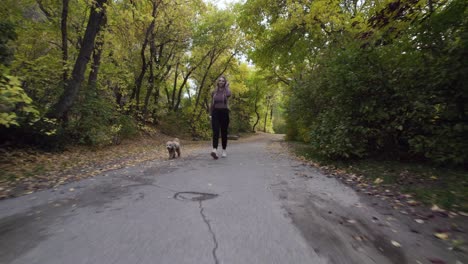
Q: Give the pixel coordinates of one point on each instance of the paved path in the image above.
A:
(255, 206)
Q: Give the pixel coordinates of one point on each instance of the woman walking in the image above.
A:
(219, 114)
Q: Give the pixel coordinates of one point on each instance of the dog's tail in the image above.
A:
(176, 140)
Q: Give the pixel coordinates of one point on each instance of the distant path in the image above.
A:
(256, 206)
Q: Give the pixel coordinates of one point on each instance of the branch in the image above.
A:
(44, 10)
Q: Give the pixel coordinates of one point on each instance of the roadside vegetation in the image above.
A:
(446, 187)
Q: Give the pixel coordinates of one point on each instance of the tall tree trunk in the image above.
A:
(97, 53)
(271, 113)
(64, 39)
(174, 89)
(96, 19)
(139, 80)
(256, 111)
(151, 77)
(144, 66)
(149, 90)
(202, 83)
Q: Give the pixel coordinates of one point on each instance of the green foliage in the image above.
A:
(7, 34)
(96, 122)
(386, 79)
(177, 124)
(239, 115)
(15, 104)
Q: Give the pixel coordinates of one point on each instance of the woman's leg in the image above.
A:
(224, 120)
(215, 127)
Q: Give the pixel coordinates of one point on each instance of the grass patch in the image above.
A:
(446, 187)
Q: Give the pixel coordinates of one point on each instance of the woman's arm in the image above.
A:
(228, 91)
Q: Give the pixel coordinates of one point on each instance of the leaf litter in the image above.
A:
(27, 171)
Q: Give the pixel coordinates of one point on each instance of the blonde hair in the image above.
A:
(225, 82)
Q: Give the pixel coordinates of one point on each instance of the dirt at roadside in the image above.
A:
(427, 225)
(27, 171)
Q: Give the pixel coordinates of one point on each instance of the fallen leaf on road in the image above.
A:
(358, 238)
(395, 244)
(351, 221)
(443, 236)
(419, 221)
(436, 208)
(378, 181)
(452, 214)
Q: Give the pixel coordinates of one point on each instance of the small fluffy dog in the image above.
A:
(173, 147)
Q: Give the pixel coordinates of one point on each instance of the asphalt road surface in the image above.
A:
(258, 205)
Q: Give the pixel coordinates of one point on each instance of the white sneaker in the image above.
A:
(224, 153)
(214, 154)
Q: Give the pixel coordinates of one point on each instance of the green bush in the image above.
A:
(390, 98)
(95, 121)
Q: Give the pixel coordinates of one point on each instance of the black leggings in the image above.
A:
(220, 120)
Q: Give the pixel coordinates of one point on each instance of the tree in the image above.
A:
(95, 22)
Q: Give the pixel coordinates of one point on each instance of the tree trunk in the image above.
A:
(271, 113)
(256, 111)
(174, 88)
(64, 39)
(144, 66)
(149, 90)
(96, 19)
(151, 77)
(163, 76)
(97, 53)
(202, 83)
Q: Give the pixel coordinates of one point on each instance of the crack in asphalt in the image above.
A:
(207, 222)
(205, 219)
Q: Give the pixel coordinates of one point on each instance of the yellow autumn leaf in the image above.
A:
(395, 244)
(378, 181)
(443, 236)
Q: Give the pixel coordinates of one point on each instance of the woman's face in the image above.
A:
(221, 82)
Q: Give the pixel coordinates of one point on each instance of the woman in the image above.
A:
(219, 114)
